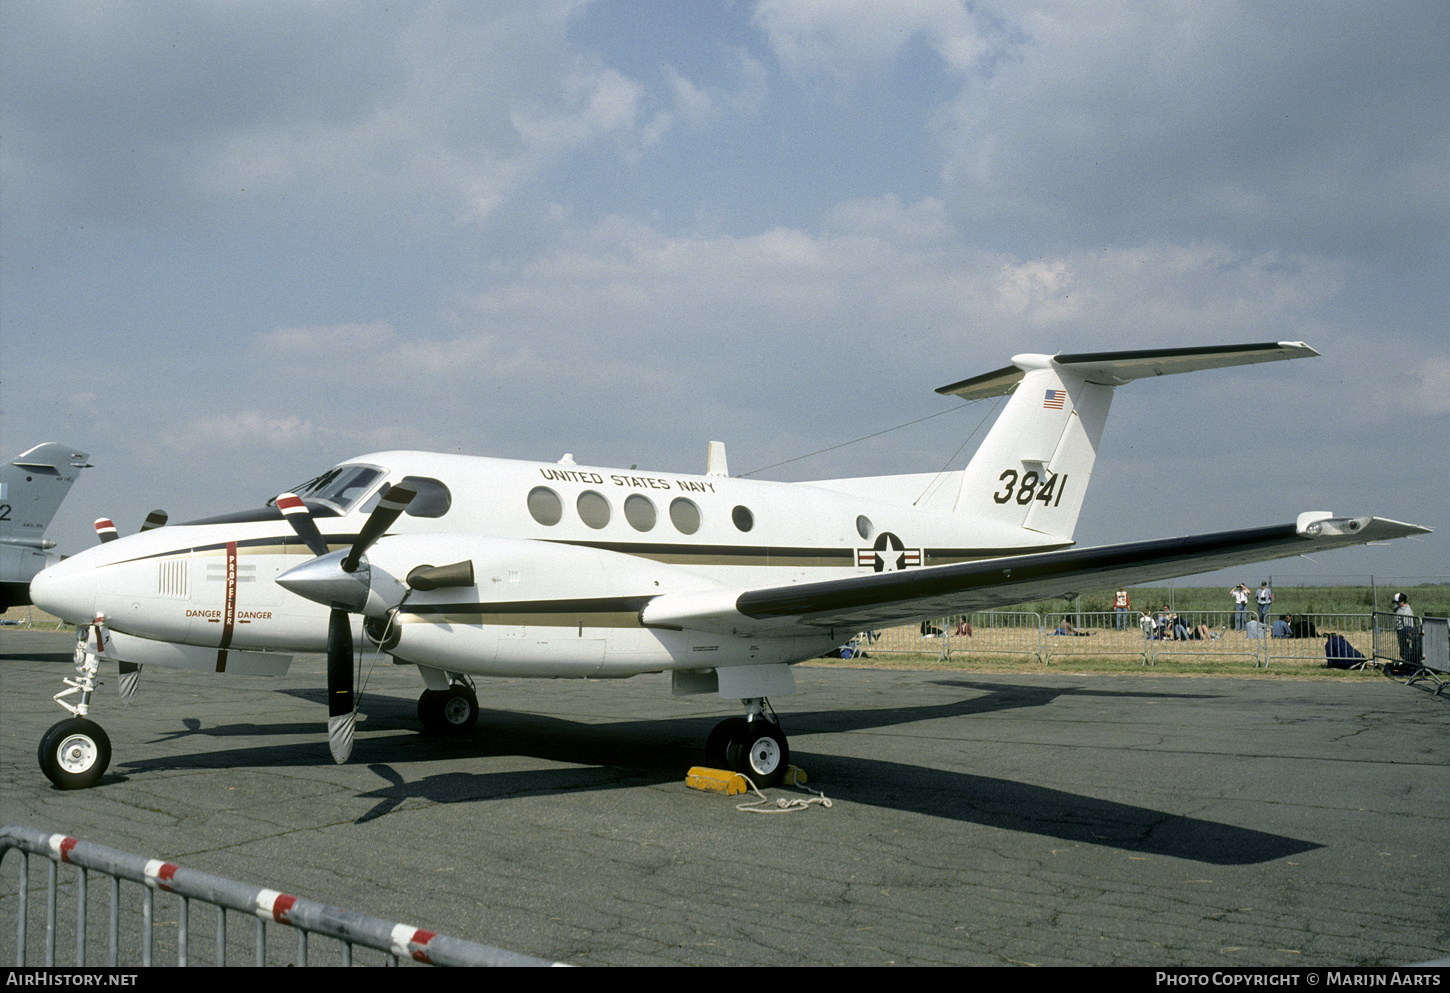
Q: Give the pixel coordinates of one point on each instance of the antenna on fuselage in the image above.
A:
(715, 464)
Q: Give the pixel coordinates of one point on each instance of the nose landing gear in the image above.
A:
(75, 752)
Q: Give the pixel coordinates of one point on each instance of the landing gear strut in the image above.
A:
(75, 752)
(751, 745)
(450, 711)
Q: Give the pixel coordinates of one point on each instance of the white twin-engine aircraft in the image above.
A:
(471, 567)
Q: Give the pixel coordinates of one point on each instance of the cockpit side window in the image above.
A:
(433, 499)
(339, 487)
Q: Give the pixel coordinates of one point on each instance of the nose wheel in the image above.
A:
(74, 753)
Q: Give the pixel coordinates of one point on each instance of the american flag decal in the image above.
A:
(1055, 399)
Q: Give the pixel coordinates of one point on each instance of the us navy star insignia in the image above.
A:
(888, 554)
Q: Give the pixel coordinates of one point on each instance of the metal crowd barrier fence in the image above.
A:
(29, 621)
(981, 633)
(1413, 648)
(1085, 634)
(996, 633)
(396, 941)
(1312, 631)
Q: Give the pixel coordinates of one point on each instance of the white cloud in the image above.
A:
(1412, 389)
(840, 38)
(698, 106)
(441, 111)
(249, 428)
(1255, 125)
(324, 343)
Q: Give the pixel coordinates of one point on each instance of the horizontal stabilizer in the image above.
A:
(1117, 368)
(51, 456)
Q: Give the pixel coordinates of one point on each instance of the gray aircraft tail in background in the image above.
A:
(32, 486)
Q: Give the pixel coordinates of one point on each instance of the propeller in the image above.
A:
(106, 528)
(340, 581)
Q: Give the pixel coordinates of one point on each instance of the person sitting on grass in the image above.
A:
(1340, 654)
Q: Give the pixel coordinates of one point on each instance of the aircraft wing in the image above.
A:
(905, 597)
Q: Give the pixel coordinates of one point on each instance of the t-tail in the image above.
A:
(1033, 468)
(32, 486)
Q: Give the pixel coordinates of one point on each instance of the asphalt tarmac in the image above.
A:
(1043, 819)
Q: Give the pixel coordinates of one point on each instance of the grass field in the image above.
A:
(1427, 600)
(1105, 665)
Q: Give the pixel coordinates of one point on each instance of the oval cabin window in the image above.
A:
(640, 512)
(684, 515)
(593, 509)
(545, 506)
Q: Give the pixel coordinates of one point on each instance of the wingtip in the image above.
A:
(1321, 524)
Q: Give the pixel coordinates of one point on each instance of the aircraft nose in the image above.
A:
(66, 590)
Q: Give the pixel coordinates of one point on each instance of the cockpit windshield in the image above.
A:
(341, 487)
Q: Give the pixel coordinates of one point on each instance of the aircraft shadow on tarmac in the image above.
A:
(993, 697)
(629, 754)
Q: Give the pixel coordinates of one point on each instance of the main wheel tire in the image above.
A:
(759, 751)
(74, 753)
(450, 711)
(719, 740)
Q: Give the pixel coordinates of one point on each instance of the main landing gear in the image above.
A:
(751, 745)
(450, 711)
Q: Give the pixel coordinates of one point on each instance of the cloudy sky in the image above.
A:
(242, 242)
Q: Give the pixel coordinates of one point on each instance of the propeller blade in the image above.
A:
(340, 717)
(155, 519)
(297, 515)
(394, 501)
(105, 530)
(340, 585)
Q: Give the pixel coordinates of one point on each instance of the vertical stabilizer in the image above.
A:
(1033, 468)
(32, 486)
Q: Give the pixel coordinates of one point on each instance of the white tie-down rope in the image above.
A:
(783, 805)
